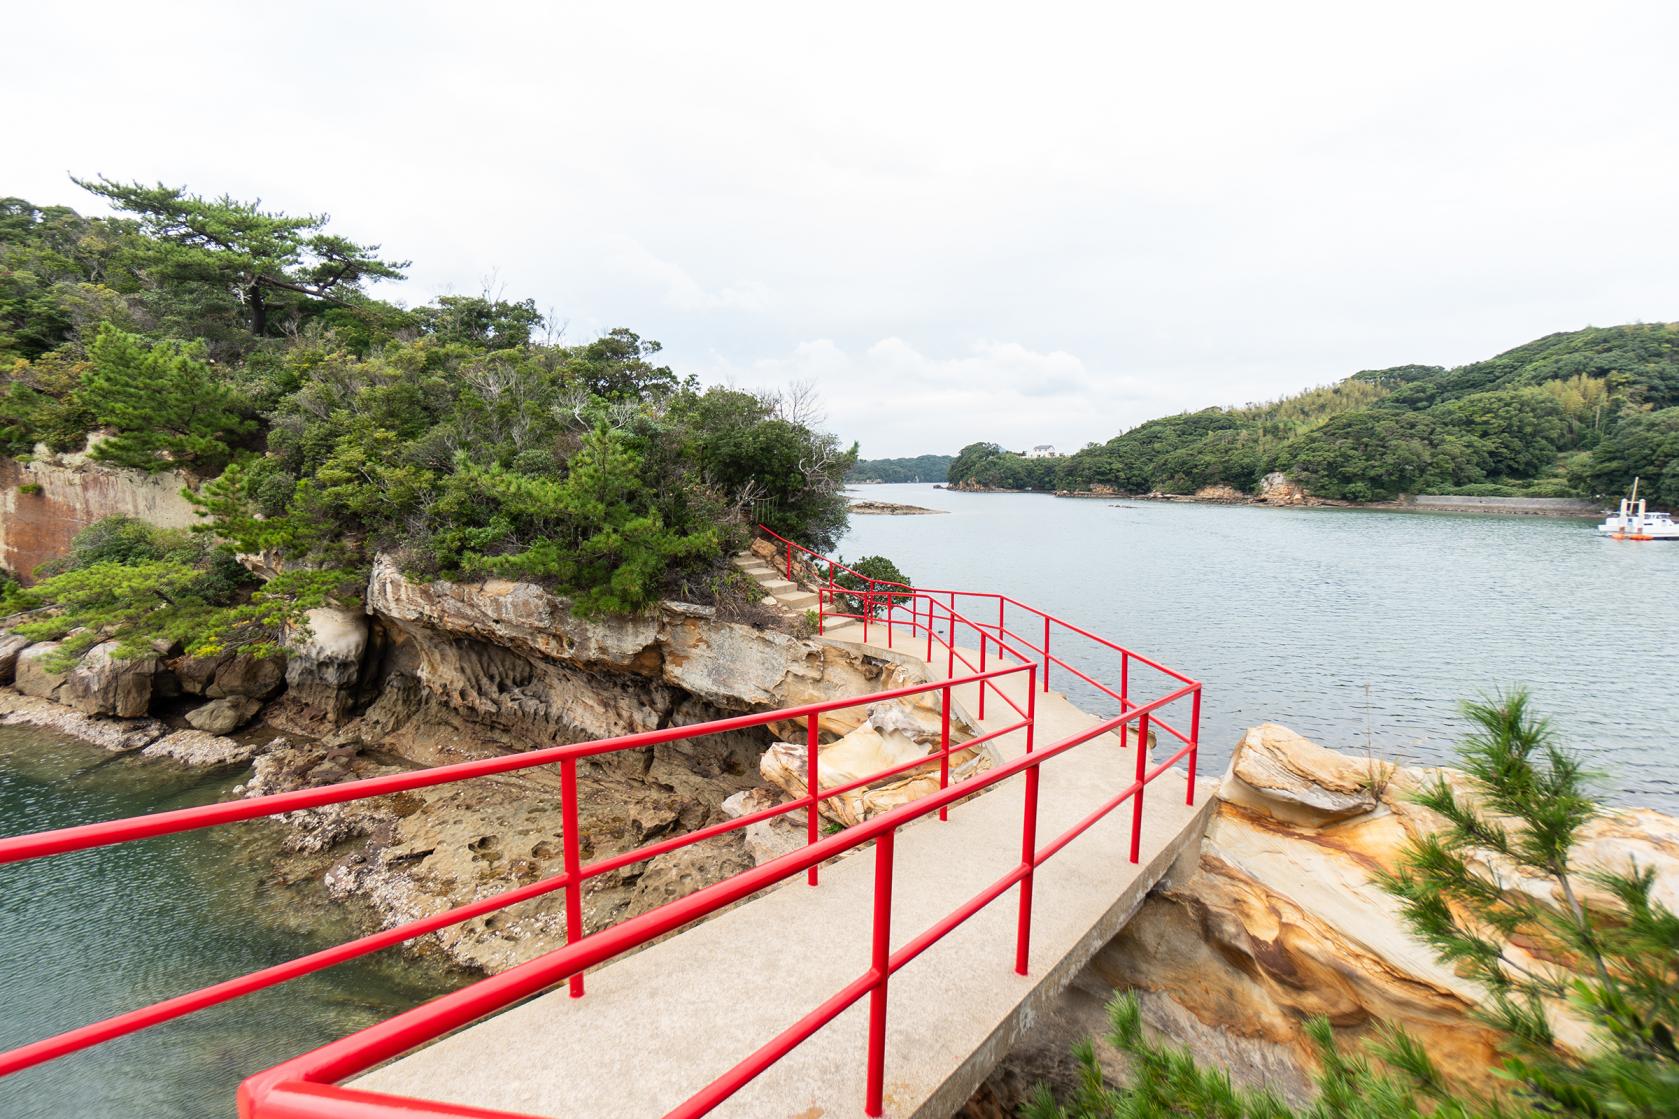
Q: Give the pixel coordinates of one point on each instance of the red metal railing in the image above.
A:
(308, 1086)
(883, 600)
(64, 840)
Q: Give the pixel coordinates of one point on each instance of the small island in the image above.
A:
(891, 509)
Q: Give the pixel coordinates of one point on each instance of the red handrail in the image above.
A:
(281, 1092)
(63, 840)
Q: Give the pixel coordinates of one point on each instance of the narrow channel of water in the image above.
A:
(94, 933)
(1354, 627)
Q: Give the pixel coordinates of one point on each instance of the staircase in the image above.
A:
(779, 591)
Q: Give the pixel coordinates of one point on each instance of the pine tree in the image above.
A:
(163, 399)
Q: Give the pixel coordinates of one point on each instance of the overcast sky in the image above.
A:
(1032, 223)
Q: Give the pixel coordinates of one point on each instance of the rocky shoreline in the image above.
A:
(1276, 491)
(434, 673)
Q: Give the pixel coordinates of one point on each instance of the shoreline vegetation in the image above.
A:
(1573, 415)
(1422, 503)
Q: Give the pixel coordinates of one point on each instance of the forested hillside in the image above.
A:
(1575, 414)
(921, 468)
(465, 436)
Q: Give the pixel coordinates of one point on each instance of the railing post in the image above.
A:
(1137, 800)
(944, 746)
(821, 610)
(573, 863)
(1124, 693)
(880, 966)
(813, 829)
(1002, 629)
(789, 561)
(891, 601)
(1031, 704)
(1194, 743)
(983, 683)
(1046, 654)
(1028, 863)
(929, 629)
(867, 599)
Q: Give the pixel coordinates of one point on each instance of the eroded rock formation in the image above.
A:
(1282, 918)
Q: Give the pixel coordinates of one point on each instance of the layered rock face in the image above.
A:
(67, 493)
(1282, 918)
(457, 671)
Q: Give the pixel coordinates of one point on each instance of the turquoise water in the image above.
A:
(1351, 626)
(90, 934)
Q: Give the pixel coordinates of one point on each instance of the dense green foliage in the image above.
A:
(921, 468)
(1607, 956)
(148, 588)
(242, 346)
(1570, 414)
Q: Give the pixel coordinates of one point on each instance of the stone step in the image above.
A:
(777, 586)
(803, 601)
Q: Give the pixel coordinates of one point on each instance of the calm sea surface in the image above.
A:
(1339, 623)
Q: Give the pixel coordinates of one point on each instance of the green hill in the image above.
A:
(1572, 414)
(921, 468)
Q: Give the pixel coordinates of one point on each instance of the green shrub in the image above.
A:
(871, 568)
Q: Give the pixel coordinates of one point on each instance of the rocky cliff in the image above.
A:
(434, 672)
(1280, 918)
(46, 501)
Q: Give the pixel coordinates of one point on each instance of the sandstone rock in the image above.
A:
(195, 674)
(469, 670)
(460, 632)
(892, 736)
(1276, 489)
(221, 716)
(769, 839)
(1314, 785)
(112, 734)
(10, 646)
(200, 748)
(323, 666)
(104, 684)
(1283, 917)
(245, 675)
(34, 678)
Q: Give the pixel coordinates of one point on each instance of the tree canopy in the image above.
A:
(1567, 415)
(463, 437)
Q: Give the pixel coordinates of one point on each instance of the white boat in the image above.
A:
(1634, 522)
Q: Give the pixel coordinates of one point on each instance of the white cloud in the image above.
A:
(897, 400)
(679, 289)
(1154, 207)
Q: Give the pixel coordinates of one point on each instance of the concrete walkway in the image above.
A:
(658, 1026)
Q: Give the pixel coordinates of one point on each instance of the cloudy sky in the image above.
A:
(1032, 223)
